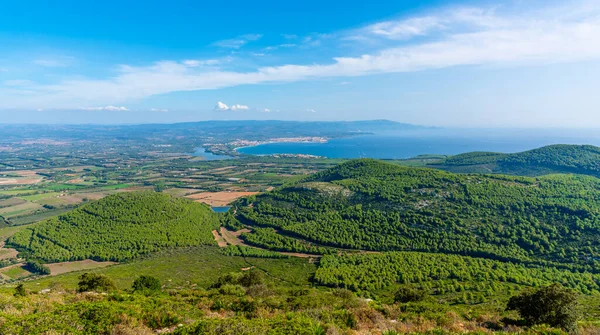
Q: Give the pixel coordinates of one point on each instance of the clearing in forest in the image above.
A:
(218, 198)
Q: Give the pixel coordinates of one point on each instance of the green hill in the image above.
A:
(119, 227)
(371, 205)
(561, 158)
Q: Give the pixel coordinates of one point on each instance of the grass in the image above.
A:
(188, 266)
(23, 220)
(16, 272)
(18, 192)
(22, 209)
(38, 197)
(115, 187)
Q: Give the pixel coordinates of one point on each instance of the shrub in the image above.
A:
(408, 294)
(146, 283)
(553, 305)
(20, 291)
(94, 282)
(37, 267)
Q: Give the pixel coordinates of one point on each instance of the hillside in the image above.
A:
(119, 227)
(371, 205)
(560, 158)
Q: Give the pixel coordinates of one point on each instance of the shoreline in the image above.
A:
(322, 140)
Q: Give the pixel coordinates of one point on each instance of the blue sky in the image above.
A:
(466, 64)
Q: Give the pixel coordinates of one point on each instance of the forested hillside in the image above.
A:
(561, 158)
(371, 205)
(119, 227)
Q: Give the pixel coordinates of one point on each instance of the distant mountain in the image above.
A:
(371, 205)
(561, 158)
(222, 130)
(119, 227)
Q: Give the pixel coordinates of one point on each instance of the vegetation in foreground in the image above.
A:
(253, 302)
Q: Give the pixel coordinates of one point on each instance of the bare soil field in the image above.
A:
(220, 241)
(233, 237)
(218, 198)
(6, 253)
(87, 264)
(12, 202)
(181, 192)
(19, 181)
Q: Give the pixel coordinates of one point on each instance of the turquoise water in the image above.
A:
(398, 146)
(221, 209)
(209, 156)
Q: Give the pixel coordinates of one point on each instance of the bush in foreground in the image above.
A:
(94, 282)
(553, 305)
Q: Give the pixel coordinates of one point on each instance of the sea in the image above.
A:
(408, 144)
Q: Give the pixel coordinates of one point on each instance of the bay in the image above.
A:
(442, 142)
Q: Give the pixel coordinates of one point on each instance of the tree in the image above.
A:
(553, 305)
(94, 282)
(146, 283)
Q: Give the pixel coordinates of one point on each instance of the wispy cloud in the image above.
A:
(203, 62)
(17, 82)
(62, 61)
(161, 110)
(463, 36)
(238, 42)
(106, 108)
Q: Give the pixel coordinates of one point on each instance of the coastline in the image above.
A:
(321, 140)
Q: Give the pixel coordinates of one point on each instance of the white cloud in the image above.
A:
(238, 42)
(162, 110)
(238, 107)
(470, 37)
(407, 28)
(107, 108)
(310, 110)
(222, 107)
(198, 63)
(266, 110)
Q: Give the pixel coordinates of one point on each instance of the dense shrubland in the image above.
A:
(119, 227)
(371, 205)
(560, 158)
(373, 272)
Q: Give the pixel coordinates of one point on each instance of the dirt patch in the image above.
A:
(87, 264)
(6, 253)
(20, 181)
(218, 198)
(233, 237)
(220, 241)
(75, 181)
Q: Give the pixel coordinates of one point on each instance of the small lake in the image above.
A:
(221, 209)
(209, 156)
(442, 142)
